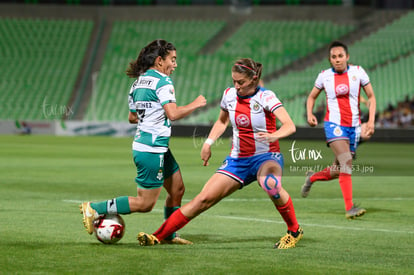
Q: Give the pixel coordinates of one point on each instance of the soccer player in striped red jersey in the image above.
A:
(252, 111)
(342, 84)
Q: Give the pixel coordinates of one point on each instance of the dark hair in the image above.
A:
(337, 44)
(248, 67)
(147, 56)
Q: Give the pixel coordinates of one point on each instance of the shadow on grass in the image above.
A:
(380, 210)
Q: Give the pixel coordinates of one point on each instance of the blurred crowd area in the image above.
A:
(400, 115)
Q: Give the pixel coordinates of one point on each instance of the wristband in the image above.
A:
(209, 141)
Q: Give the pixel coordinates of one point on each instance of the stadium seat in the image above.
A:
(43, 57)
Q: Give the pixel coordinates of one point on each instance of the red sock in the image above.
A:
(323, 175)
(287, 212)
(345, 182)
(174, 222)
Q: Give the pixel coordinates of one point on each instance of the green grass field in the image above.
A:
(43, 179)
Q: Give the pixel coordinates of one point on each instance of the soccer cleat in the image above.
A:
(289, 240)
(176, 240)
(308, 184)
(145, 239)
(355, 212)
(89, 215)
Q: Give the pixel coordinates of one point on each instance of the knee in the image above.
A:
(272, 185)
(204, 202)
(147, 208)
(179, 192)
(345, 163)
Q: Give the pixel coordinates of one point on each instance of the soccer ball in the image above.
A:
(109, 229)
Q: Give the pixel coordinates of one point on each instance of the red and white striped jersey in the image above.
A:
(248, 116)
(342, 94)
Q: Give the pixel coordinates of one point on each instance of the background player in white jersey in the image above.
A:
(342, 83)
(152, 105)
(255, 155)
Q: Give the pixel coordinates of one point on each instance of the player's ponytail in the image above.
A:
(147, 56)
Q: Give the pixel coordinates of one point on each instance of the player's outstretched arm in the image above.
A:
(175, 112)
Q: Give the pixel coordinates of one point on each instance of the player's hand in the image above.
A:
(368, 129)
(205, 153)
(200, 101)
(266, 137)
(312, 121)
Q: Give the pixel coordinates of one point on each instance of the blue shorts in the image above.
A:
(244, 170)
(335, 132)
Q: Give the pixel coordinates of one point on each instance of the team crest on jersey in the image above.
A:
(354, 78)
(337, 131)
(242, 120)
(256, 107)
(342, 89)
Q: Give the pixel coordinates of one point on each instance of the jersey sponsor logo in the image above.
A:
(269, 98)
(168, 80)
(242, 120)
(146, 82)
(342, 89)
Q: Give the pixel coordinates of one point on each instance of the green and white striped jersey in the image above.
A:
(148, 94)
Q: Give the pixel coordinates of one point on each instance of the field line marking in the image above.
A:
(318, 199)
(295, 199)
(316, 225)
(159, 210)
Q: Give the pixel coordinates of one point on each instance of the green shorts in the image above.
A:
(153, 168)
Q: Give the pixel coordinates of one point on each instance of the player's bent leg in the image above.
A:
(175, 191)
(306, 187)
(271, 184)
(89, 215)
(290, 239)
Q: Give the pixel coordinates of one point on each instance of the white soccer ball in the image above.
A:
(109, 229)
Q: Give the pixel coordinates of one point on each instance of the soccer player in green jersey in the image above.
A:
(152, 106)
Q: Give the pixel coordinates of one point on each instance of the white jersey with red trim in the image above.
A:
(342, 94)
(248, 116)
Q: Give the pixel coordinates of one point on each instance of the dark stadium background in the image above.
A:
(360, 19)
